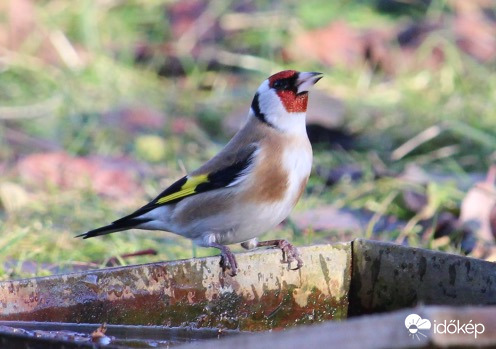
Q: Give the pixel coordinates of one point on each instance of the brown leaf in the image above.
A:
(336, 44)
(340, 44)
(99, 332)
(476, 35)
(67, 172)
(98, 336)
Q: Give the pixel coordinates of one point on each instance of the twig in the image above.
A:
(65, 49)
(443, 152)
(244, 61)
(415, 142)
(115, 260)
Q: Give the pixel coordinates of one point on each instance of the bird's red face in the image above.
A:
(292, 88)
(281, 100)
(284, 83)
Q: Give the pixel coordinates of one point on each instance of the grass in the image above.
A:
(63, 103)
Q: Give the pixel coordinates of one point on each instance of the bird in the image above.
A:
(249, 187)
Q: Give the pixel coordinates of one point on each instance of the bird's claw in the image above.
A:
(228, 261)
(290, 254)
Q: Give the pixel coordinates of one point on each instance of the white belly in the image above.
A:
(255, 219)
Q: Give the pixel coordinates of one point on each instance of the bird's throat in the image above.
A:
(294, 102)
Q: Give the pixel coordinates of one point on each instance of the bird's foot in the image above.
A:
(289, 252)
(227, 260)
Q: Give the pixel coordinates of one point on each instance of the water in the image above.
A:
(124, 336)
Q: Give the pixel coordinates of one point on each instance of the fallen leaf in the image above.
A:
(336, 44)
(102, 175)
(98, 336)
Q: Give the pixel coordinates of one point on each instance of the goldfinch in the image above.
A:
(249, 187)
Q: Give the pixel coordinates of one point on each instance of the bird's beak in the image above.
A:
(306, 80)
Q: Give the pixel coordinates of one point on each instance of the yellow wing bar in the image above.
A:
(187, 189)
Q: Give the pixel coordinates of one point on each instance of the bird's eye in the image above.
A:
(280, 85)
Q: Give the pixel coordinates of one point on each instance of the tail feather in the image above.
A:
(114, 227)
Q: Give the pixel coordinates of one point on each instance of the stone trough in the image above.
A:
(169, 303)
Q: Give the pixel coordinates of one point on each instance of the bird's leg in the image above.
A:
(227, 259)
(289, 252)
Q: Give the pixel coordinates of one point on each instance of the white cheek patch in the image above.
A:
(275, 114)
(269, 100)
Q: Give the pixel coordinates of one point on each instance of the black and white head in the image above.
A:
(281, 100)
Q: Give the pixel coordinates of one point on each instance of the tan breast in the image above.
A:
(277, 173)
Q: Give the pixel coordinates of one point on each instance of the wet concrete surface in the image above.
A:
(115, 335)
(378, 331)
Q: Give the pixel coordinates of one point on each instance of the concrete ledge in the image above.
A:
(264, 295)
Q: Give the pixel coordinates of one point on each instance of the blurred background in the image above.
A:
(103, 103)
